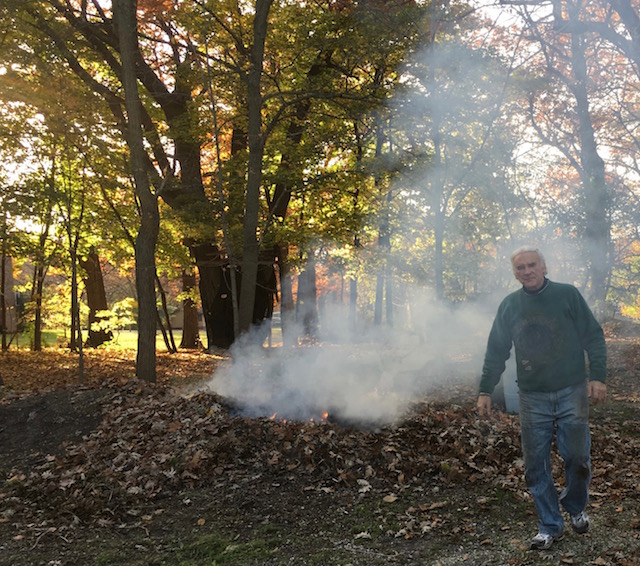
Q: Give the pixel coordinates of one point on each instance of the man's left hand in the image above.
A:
(597, 391)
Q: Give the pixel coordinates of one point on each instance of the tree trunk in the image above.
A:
(384, 240)
(308, 298)
(96, 299)
(167, 333)
(377, 307)
(254, 174)
(596, 202)
(439, 210)
(388, 293)
(287, 307)
(39, 273)
(125, 20)
(3, 287)
(353, 303)
(36, 298)
(190, 333)
(75, 310)
(215, 295)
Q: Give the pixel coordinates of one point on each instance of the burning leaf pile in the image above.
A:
(153, 443)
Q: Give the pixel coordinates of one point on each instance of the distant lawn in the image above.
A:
(124, 339)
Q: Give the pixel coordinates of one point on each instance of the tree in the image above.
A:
(126, 23)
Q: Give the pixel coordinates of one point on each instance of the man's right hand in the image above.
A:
(484, 405)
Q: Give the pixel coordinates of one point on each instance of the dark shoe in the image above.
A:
(580, 522)
(542, 541)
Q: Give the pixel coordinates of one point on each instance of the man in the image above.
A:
(550, 326)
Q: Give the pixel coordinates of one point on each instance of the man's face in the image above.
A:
(529, 270)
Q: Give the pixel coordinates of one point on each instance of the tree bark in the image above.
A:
(96, 299)
(353, 304)
(308, 298)
(37, 287)
(3, 286)
(596, 201)
(287, 307)
(125, 20)
(254, 174)
(190, 333)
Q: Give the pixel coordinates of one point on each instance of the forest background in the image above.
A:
(354, 165)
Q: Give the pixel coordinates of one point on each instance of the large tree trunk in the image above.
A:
(125, 18)
(215, 295)
(96, 299)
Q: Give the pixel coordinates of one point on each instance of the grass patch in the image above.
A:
(122, 340)
(216, 549)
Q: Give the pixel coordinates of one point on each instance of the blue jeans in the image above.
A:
(567, 412)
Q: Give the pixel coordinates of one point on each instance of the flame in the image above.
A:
(323, 418)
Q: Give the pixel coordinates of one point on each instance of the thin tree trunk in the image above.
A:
(36, 297)
(287, 307)
(254, 175)
(168, 332)
(125, 18)
(3, 285)
(353, 303)
(377, 307)
(75, 311)
(383, 239)
(39, 273)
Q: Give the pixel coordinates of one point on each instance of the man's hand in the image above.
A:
(597, 391)
(484, 405)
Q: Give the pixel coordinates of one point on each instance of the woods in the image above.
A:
(331, 160)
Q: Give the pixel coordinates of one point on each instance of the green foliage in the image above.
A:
(389, 127)
(121, 316)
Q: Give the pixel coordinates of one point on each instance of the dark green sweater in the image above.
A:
(551, 330)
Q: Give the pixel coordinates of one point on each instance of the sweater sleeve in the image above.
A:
(591, 338)
(497, 353)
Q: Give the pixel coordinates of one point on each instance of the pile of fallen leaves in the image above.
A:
(153, 442)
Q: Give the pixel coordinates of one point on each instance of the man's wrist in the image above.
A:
(484, 394)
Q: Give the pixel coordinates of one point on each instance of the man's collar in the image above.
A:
(538, 291)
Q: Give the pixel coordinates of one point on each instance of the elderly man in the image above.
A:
(550, 326)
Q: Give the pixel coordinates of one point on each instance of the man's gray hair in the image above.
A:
(525, 249)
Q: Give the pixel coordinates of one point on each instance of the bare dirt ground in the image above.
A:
(115, 471)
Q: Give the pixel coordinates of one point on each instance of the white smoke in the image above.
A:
(371, 379)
